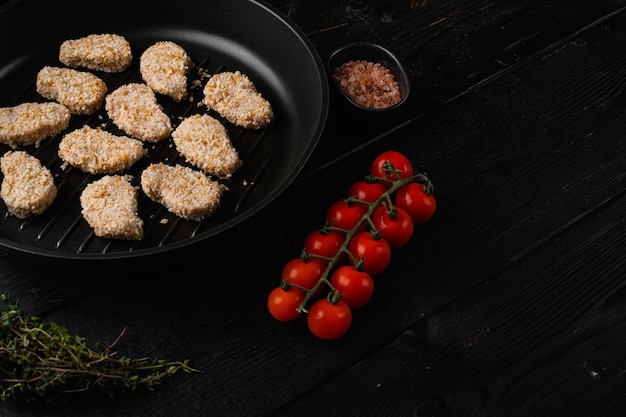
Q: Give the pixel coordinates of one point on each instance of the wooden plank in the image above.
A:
(487, 226)
(470, 241)
(532, 339)
(446, 46)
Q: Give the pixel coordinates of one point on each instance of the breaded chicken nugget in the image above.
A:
(27, 187)
(187, 193)
(134, 109)
(109, 205)
(81, 92)
(96, 151)
(236, 98)
(204, 142)
(30, 123)
(101, 52)
(164, 67)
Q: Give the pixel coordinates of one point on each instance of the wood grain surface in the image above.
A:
(511, 301)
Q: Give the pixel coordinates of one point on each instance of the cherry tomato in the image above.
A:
(355, 287)
(396, 231)
(329, 321)
(283, 304)
(345, 216)
(367, 191)
(412, 198)
(375, 253)
(402, 164)
(303, 274)
(324, 243)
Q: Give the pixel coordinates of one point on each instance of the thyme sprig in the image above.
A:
(44, 361)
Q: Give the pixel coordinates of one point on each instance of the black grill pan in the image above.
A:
(250, 36)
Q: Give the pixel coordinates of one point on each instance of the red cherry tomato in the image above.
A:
(345, 216)
(303, 274)
(396, 231)
(283, 304)
(329, 321)
(324, 243)
(412, 198)
(375, 253)
(367, 191)
(401, 163)
(355, 287)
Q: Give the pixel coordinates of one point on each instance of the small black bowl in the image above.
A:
(371, 52)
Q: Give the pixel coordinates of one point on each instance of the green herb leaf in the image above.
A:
(44, 361)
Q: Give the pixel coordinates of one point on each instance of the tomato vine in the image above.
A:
(354, 245)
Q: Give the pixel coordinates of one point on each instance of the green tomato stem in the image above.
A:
(334, 295)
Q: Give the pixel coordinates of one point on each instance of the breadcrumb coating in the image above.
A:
(28, 187)
(81, 92)
(187, 193)
(164, 67)
(235, 97)
(204, 142)
(96, 151)
(30, 123)
(109, 205)
(134, 109)
(101, 52)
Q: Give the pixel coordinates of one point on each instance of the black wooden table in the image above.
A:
(509, 302)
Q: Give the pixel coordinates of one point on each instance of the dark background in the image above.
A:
(509, 302)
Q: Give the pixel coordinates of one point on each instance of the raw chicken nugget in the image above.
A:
(101, 52)
(134, 109)
(97, 151)
(164, 67)
(81, 92)
(109, 205)
(204, 142)
(30, 123)
(187, 193)
(236, 98)
(27, 187)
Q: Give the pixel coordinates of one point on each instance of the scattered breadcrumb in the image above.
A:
(164, 67)
(187, 193)
(81, 92)
(101, 52)
(30, 123)
(97, 151)
(109, 205)
(204, 142)
(27, 187)
(235, 97)
(134, 109)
